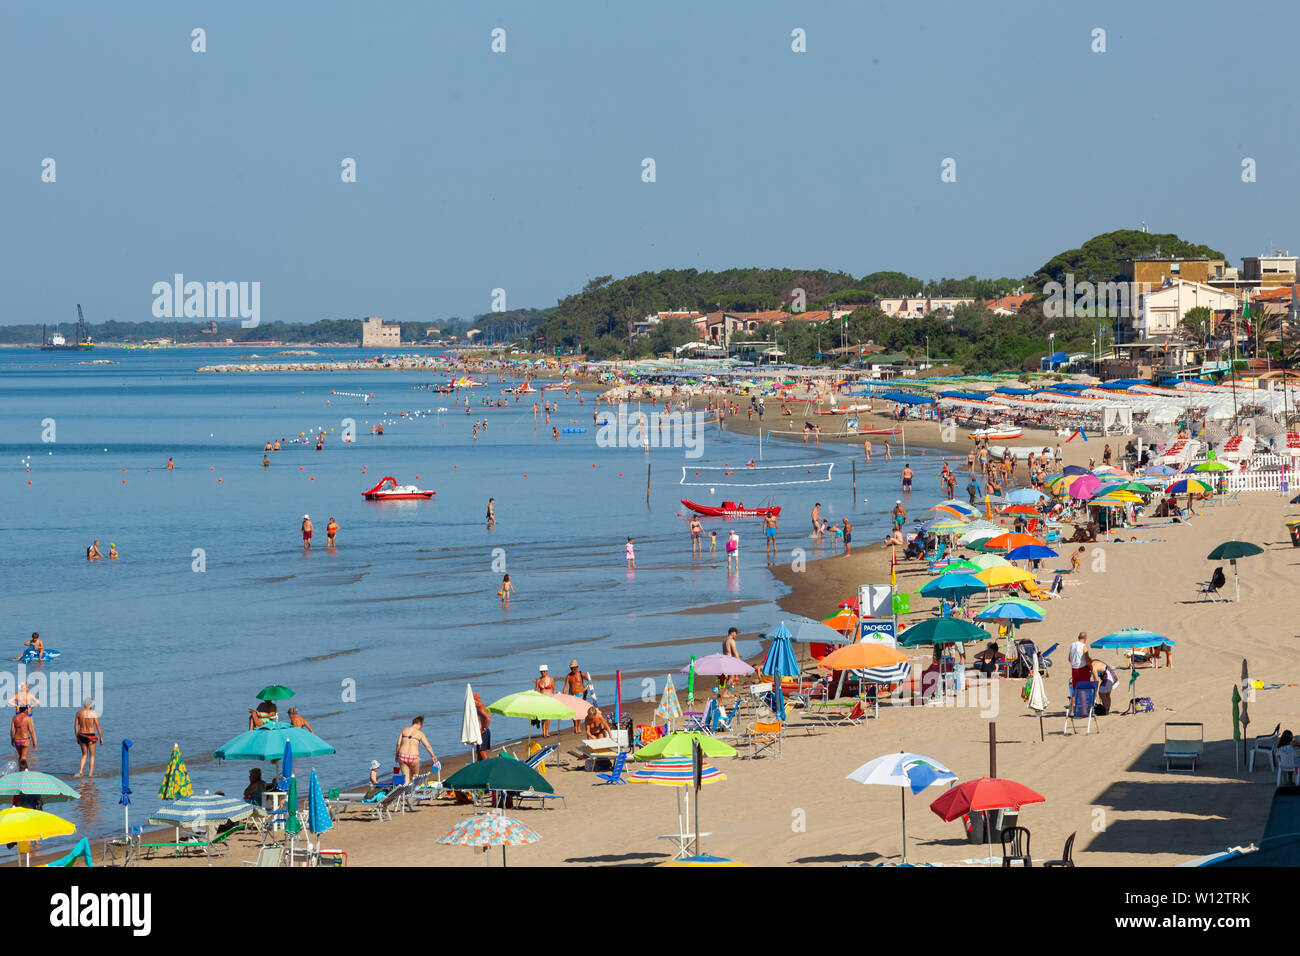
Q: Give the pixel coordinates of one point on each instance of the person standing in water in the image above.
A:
(733, 550)
(306, 532)
(86, 726)
(22, 734)
(331, 530)
(505, 591)
(769, 533)
(491, 514)
(631, 556)
(848, 537)
(171, 466)
(697, 531)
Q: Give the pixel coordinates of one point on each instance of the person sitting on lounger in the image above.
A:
(987, 659)
(595, 726)
(253, 792)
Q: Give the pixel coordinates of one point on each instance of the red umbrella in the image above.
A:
(986, 793)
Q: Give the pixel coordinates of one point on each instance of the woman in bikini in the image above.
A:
(697, 530)
(89, 734)
(408, 749)
(545, 684)
(22, 734)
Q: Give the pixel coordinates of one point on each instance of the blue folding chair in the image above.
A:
(532, 762)
(615, 775)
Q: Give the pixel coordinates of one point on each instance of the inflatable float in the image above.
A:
(29, 655)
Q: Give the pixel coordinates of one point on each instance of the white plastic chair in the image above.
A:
(1266, 745)
(1288, 762)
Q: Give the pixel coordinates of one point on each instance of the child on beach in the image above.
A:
(1076, 559)
(506, 589)
(713, 544)
(631, 555)
(733, 550)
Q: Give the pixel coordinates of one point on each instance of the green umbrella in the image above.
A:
(291, 821)
(942, 630)
(32, 783)
(679, 745)
(1210, 466)
(1134, 486)
(985, 561)
(531, 705)
(1231, 551)
(176, 778)
(274, 692)
(962, 565)
(497, 773)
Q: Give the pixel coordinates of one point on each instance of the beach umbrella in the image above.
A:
(292, 824)
(1188, 486)
(1130, 638)
(1031, 552)
(33, 783)
(670, 707)
(945, 526)
(844, 619)
(1038, 696)
(1005, 611)
(125, 799)
(981, 796)
(497, 773)
(1084, 487)
(1011, 540)
(318, 812)
(975, 537)
(286, 766)
(780, 662)
(471, 732)
(208, 809)
(963, 565)
(488, 830)
(1023, 602)
(983, 562)
(960, 509)
(267, 743)
(907, 771)
(20, 825)
(1074, 470)
(862, 656)
(941, 630)
(1231, 551)
(531, 705)
(702, 859)
(679, 772)
(953, 585)
(679, 745)
(1025, 496)
(817, 632)
(1136, 487)
(1207, 466)
(1018, 510)
(1004, 575)
(176, 778)
(274, 692)
(718, 665)
(1159, 471)
(690, 687)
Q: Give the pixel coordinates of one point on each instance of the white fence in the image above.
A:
(1258, 480)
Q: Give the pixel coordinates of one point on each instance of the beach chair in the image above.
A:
(616, 775)
(765, 738)
(1266, 745)
(1211, 587)
(344, 800)
(1288, 766)
(534, 762)
(271, 854)
(1036, 592)
(727, 725)
(1067, 855)
(837, 713)
(1015, 846)
(1184, 743)
(1081, 706)
(542, 798)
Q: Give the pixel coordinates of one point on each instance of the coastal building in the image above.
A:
(1007, 304)
(374, 334)
(1269, 272)
(720, 328)
(1154, 270)
(1160, 312)
(919, 306)
(644, 325)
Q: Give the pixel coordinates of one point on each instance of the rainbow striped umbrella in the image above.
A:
(490, 829)
(1188, 486)
(675, 772)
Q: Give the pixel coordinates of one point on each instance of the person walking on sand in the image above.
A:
(86, 726)
(331, 530)
(574, 685)
(631, 555)
(848, 537)
(545, 684)
(409, 742)
(729, 643)
(306, 532)
(22, 734)
(505, 591)
(697, 531)
(769, 532)
(733, 550)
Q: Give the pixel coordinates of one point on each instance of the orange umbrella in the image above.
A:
(1008, 541)
(857, 657)
(1019, 510)
(843, 620)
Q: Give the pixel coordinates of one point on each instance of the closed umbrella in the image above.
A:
(907, 771)
(176, 778)
(487, 830)
(1231, 551)
(471, 731)
(670, 708)
(125, 799)
(1038, 696)
(779, 663)
(286, 766)
(318, 812)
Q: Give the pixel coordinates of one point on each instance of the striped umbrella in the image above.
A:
(1188, 486)
(1005, 611)
(32, 783)
(488, 830)
(675, 772)
(670, 708)
(946, 526)
(206, 809)
(890, 674)
(176, 778)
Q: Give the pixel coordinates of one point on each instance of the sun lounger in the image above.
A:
(836, 713)
(1184, 743)
(542, 798)
(389, 802)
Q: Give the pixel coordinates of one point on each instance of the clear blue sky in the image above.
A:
(522, 170)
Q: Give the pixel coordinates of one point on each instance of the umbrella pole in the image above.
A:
(902, 802)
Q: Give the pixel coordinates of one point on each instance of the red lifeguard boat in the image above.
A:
(389, 490)
(730, 509)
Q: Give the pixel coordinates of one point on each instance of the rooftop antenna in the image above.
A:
(1144, 225)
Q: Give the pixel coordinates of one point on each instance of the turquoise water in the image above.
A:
(403, 612)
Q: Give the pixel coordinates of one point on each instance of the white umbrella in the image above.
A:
(471, 733)
(1037, 696)
(903, 770)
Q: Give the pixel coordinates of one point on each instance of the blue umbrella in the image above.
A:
(954, 585)
(286, 767)
(1028, 552)
(1025, 496)
(267, 743)
(125, 799)
(780, 660)
(1131, 637)
(1075, 470)
(812, 632)
(318, 814)
(1007, 611)
(778, 699)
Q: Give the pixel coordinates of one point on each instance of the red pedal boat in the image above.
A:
(389, 490)
(731, 509)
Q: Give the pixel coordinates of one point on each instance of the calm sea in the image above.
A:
(214, 597)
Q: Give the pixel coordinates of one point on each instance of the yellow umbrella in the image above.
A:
(21, 825)
(1059, 486)
(1116, 498)
(1003, 574)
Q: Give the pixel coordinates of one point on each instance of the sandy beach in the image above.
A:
(1108, 787)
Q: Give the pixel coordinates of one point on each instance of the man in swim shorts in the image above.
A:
(306, 532)
(900, 514)
(907, 477)
(89, 734)
(769, 533)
